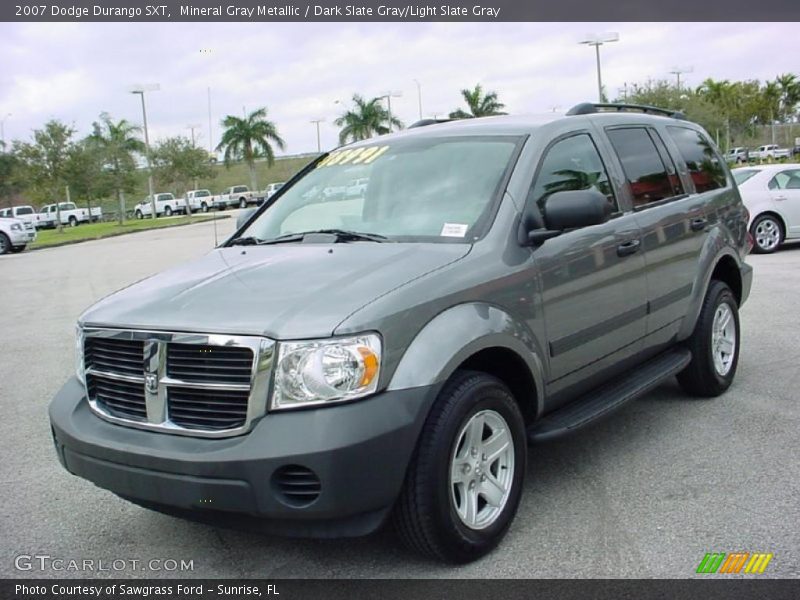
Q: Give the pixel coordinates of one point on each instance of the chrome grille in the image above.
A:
(204, 385)
(122, 399)
(199, 362)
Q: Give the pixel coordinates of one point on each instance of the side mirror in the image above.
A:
(574, 209)
(244, 217)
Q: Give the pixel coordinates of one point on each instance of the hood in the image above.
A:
(283, 291)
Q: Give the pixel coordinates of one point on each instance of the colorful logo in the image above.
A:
(735, 562)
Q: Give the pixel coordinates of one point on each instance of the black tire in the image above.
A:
(204, 207)
(701, 377)
(17, 249)
(424, 515)
(139, 214)
(73, 222)
(766, 222)
(242, 203)
(168, 212)
(5, 243)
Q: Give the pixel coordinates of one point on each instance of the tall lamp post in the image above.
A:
(419, 97)
(140, 89)
(3, 130)
(597, 40)
(389, 96)
(317, 122)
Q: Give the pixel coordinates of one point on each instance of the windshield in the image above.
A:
(431, 189)
(742, 175)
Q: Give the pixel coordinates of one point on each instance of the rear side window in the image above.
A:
(705, 167)
(641, 161)
(571, 164)
(786, 180)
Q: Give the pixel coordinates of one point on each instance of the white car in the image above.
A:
(770, 152)
(272, 188)
(166, 205)
(772, 195)
(199, 200)
(15, 234)
(72, 215)
(23, 213)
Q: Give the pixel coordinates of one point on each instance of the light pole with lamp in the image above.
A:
(140, 90)
(419, 97)
(597, 40)
(678, 71)
(389, 96)
(317, 122)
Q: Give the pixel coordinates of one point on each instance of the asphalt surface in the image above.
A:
(645, 493)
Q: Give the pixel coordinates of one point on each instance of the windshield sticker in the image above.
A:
(355, 156)
(454, 230)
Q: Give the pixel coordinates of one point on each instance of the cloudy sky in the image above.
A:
(73, 71)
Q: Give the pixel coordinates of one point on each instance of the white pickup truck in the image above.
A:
(237, 195)
(166, 204)
(23, 213)
(770, 151)
(199, 200)
(70, 215)
(15, 234)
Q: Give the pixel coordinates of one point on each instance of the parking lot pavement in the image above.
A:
(645, 493)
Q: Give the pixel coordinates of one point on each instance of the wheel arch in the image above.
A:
(771, 213)
(480, 337)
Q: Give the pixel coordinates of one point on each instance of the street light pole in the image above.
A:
(317, 122)
(389, 96)
(419, 97)
(598, 40)
(140, 90)
(3, 130)
(678, 71)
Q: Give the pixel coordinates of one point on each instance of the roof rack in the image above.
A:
(587, 108)
(426, 122)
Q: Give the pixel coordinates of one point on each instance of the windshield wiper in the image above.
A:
(245, 241)
(342, 235)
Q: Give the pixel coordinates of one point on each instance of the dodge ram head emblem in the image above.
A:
(151, 383)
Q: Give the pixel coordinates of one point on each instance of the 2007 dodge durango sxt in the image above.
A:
(390, 353)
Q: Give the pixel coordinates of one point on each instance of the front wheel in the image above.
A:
(168, 211)
(73, 222)
(139, 214)
(464, 482)
(767, 234)
(204, 207)
(714, 344)
(5, 243)
(242, 203)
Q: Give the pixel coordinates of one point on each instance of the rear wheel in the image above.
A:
(464, 481)
(5, 243)
(767, 232)
(714, 344)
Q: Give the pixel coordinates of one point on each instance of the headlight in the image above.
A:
(79, 367)
(16, 227)
(322, 371)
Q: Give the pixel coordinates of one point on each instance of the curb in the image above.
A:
(119, 233)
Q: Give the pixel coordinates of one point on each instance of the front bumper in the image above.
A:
(359, 451)
(21, 238)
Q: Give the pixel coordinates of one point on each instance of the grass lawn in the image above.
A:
(96, 231)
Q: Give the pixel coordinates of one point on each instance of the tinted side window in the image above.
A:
(642, 164)
(571, 164)
(786, 180)
(705, 167)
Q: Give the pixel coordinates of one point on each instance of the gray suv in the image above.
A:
(500, 282)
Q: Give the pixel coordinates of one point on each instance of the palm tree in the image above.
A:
(479, 104)
(789, 87)
(366, 119)
(249, 138)
(117, 142)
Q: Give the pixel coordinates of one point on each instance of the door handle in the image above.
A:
(628, 248)
(780, 197)
(698, 224)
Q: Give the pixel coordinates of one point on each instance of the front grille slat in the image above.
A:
(206, 387)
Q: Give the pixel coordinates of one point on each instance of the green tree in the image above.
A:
(364, 120)
(480, 104)
(85, 174)
(249, 138)
(118, 142)
(45, 160)
(177, 163)
(9, 176)
(789, 91)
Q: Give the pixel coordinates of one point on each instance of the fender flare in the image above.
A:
(460, 332)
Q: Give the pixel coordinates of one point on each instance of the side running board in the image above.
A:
(604, 400)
